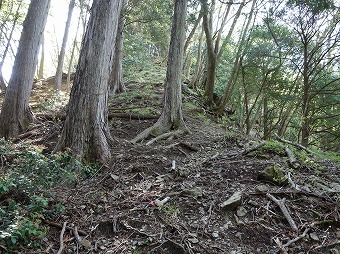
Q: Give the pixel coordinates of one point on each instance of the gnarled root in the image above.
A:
(156, 129)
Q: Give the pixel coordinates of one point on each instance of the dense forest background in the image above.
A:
(272, 65)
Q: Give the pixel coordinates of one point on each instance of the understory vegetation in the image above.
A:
(28, 183)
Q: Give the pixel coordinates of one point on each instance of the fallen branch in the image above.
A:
(294, 144)
(279, 244)
(337, 242)
(62, 238)
(292, 160)
(300, 192)
(76, 235)
(244, 152)
(291, 182)
(296, 238)
(252, 149)
(57, 225)
(281, 204)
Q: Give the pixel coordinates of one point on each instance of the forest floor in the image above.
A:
(170, 197)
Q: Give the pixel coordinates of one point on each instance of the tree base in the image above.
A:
(164, 133)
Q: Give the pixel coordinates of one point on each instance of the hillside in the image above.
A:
(171, 196)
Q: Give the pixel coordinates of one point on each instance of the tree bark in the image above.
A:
(3, 85)
(171, 119)
(211, 56)
(16, 114)
(59, 73)
(85, 131)
(195, 80)
(42, 58)
(116, 82)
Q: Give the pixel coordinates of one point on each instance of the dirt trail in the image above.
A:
(119, 207)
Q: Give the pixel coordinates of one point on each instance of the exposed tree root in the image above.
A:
(154, 129)
(170, 135)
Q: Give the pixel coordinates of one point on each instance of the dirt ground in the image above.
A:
(120, 210)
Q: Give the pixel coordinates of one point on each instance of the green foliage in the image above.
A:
(26, 176)
(170, 209)
(56, 101)
(315, 6)
(273, 147)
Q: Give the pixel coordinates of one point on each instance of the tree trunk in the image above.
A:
(42, 58)
(171, 119)
(3, 85)
(59, 73)
(211, 56)
(195, 80)
(16, 114)
(197, 22)
(116, 82)
(86, 130)
(305, 99)
(236, 67)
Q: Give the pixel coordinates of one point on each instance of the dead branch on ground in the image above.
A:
(293, 144)
(57, 225)
(292, 160)
(62, 238)
(281, 204)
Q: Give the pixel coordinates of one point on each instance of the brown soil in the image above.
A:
(116, 207)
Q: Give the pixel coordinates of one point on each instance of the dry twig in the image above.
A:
(62, 238)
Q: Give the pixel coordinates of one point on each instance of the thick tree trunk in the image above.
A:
(171, 119)
(86, 130)
(116, 82)
(15, 113)
(59, 73)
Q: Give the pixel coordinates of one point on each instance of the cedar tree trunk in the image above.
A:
(116, 77)
(59, 72)
(15, 113)
(86, 132)
(171, 122)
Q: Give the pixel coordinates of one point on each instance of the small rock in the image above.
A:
(273, 174)
(238, 235)
(215, 234)
(192, 235)
(314, 236)
(193, 240)
(86, 243)
(334, 251)
(241, 211)
(160, 203)
(120, 156)
(338, 233)
(114, 177)
(262, 188)
(232, 202)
